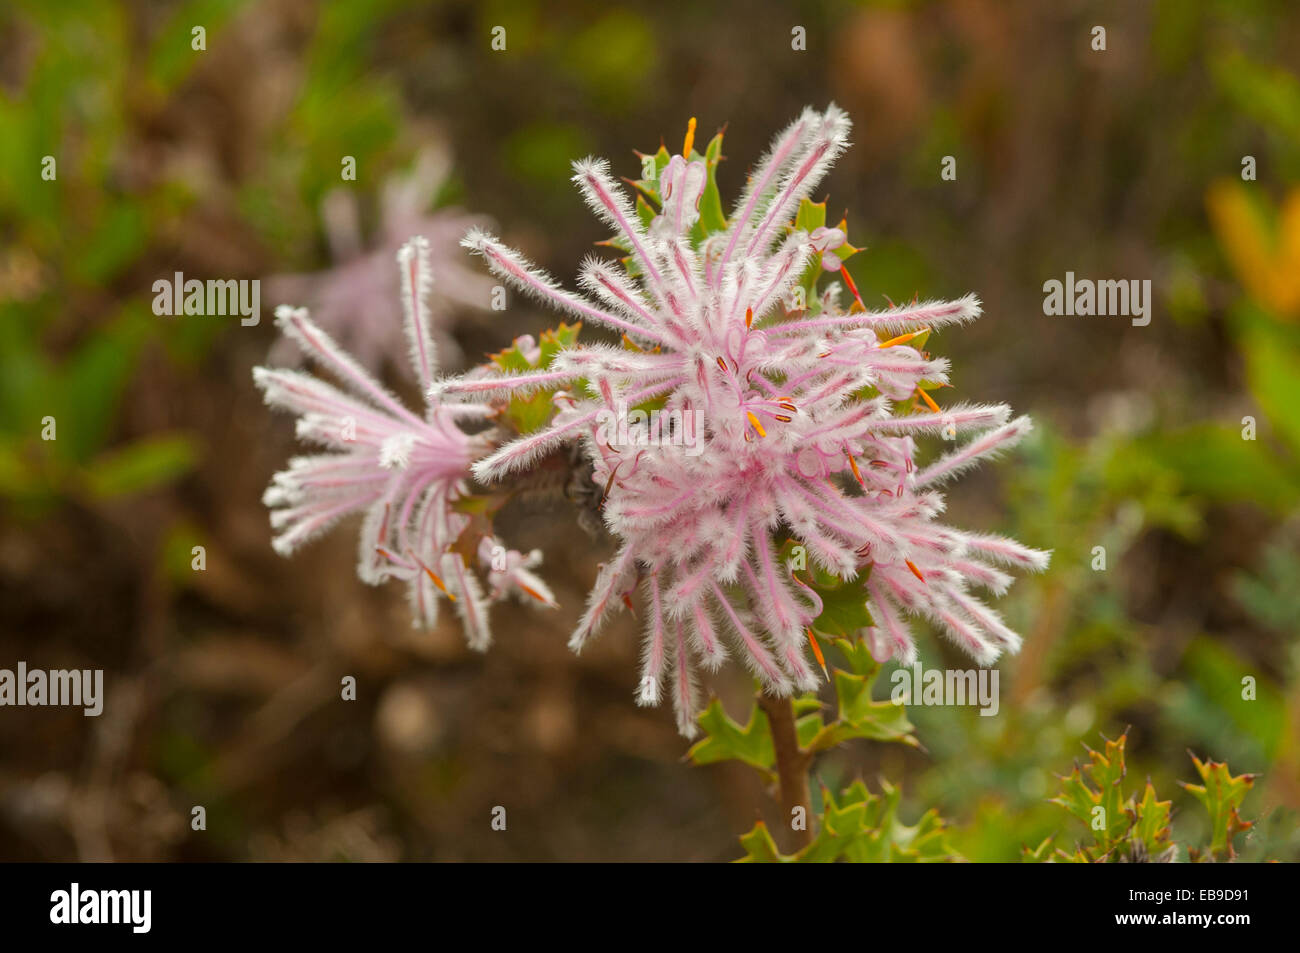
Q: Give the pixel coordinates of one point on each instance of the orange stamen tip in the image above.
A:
(439, 583)
(915, 572)
(749, 317)
(756, 425)
(690, 138)
(856, 472)
(722, 364)
(817, 651)
(535, 594)
(627, 601)
(902, 338)
(929, 401)
(848, 280)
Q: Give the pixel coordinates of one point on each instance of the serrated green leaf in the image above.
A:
(759, 847)
(727, 740)
(1151, 821)
(1221, 794)
(534, 411)
(859, 827)
(859, 716)
(858, 654)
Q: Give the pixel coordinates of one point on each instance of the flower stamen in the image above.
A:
(817, 651)
(902, 338)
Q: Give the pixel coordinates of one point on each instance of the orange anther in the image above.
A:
(817, 651)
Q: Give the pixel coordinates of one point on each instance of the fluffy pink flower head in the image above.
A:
(353, 300)
(402, 470)
(808, 435)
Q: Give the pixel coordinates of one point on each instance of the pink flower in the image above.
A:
(510, 573)
(353, 300)
(405, 472)
(806, 434)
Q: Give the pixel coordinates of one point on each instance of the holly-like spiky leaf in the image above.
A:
(1221, 794)
(760, 848)
(533, 411)
(726, 739)
(649, 184)
(1143, 833)
(1150, 822)
(859, 827)
(1039, 854)
(859, 716)
(858, 654)
(1094, 794)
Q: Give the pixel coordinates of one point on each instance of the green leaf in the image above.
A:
(712, 219)
(760, 848)
(859, 827)
(1099, 785)
(859, 716)
(141, 466)
(1221, 795)
(1272, 356)
(728, 740)
(1151, 821)
(811, 215)
(1205, 460)
(858, 654)
(650, 185)
(1269, 93)
(93, 380)
(534, 411)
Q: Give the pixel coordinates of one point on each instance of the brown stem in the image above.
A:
(791, 766)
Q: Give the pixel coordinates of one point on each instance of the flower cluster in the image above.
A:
(812, 412)
(405, 472)
(353, 300)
